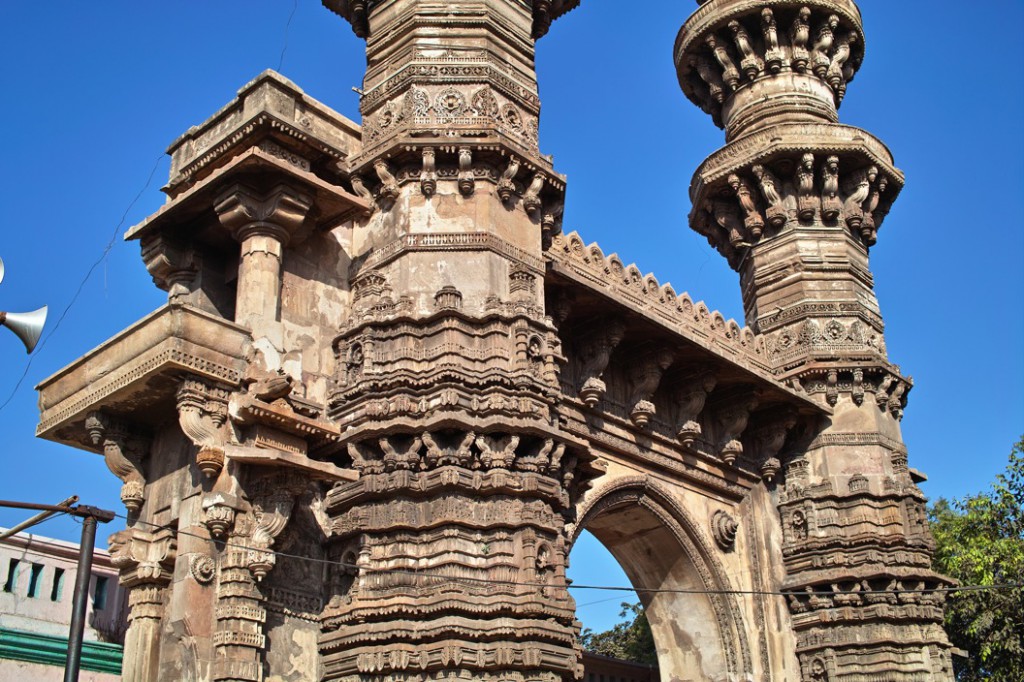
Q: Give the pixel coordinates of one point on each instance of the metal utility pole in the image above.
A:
(90, 516)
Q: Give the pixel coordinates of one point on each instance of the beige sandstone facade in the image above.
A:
(387, 393)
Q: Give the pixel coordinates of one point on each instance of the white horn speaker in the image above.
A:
(28, 326)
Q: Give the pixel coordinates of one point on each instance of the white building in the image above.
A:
(37, 582)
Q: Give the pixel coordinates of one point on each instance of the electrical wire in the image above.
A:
(280, 62)
(605, 588)
(81, 285)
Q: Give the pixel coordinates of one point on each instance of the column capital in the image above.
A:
(279, 213)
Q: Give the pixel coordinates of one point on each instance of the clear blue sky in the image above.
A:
(94, 92)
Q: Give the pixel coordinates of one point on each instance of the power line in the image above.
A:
(287, 26)
(106, 251)
(605, 588)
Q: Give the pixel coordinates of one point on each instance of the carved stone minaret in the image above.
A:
(794, 201)
(453, 535)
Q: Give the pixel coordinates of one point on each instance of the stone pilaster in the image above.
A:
(794, 201)
(146, 563)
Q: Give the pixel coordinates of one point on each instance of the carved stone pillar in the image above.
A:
(241, 613)
(263, 222)
(146, 564)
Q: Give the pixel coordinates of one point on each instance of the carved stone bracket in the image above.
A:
(770, 437)
(143, 557)
(202, 413)
(645, 376)
(124, 449)
(273, 500)
(732, 418)
(172, 266)
(596, 354)
(689, 396)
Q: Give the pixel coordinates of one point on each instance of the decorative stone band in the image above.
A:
(743, 61)
(793, 140)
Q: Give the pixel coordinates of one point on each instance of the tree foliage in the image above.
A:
(980, 541)
(630, 640)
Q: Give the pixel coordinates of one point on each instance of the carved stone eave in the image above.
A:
(333, 203)
(713, 12)
(460, 420)
(269, 457)
(137, 372)
(691, 326)
(745, 56)
(323, 437)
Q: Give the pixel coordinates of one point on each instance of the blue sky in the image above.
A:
(94, 92)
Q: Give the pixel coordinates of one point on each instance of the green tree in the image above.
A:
(630, 640)
(980, 541)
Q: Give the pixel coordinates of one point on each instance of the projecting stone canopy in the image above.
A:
(752, 63)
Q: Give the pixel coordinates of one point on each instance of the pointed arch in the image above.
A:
(660, 545)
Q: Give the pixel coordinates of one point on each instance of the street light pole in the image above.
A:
(82, 579)
(90, 516)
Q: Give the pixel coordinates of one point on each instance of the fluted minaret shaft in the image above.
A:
(794, 201)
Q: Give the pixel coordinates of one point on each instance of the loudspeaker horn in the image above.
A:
(28, 326)
(1, 269)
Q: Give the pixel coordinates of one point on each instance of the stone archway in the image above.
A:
(699, 636)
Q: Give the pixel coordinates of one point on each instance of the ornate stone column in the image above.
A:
(794, 201)
(263, 222)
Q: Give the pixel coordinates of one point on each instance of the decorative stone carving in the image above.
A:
(531, 199)
(690, 397)
(428, 176)
(202, 412)
(388, 184)
(506, 184)
(203, 568)
(173, 267)
(830, 202)
(752, 218)
(808, 203)
(272, 503)
(724, 529)
(595, 355)
(467, 182)
(645, 376)
(770, 191)
(123, 452)
(732, 420)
